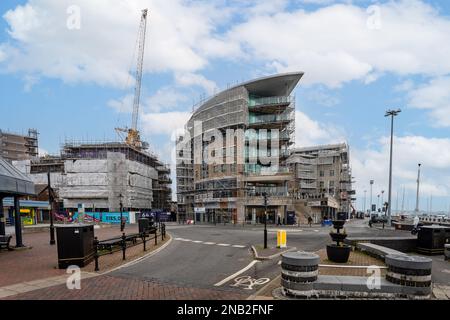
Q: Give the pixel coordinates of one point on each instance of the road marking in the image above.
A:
(248, 282)
(239, 246)
(218, 284)
(316, 230)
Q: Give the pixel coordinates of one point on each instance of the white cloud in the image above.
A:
(164, 99)
(30, 81)
(180, 36)
(432, 153)
(122, 105)
(320, 96)
(309, 132)
(434, 97)
(2, 53)
(191, 79)
(164, 123)
(334, 45)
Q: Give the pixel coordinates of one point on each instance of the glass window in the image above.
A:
(331, 173)
(321, 173)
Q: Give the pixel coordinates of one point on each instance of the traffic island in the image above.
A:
(407, 277)
(270, 253)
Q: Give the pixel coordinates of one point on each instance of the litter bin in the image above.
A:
(144, 225)
(432, 239)
(75, 245)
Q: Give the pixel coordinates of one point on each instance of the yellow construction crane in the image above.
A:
(133, 136)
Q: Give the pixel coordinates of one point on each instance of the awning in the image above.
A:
(14, 182)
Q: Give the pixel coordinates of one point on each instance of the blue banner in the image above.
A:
(106, 217)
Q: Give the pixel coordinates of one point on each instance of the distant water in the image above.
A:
(421, 213)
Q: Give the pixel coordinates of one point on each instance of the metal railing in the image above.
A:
(124, 242)
(255, 102)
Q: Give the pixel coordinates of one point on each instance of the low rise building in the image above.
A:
(103, 176)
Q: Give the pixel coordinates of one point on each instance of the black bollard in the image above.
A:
(143, 239)
(96, 253)
(124, 246)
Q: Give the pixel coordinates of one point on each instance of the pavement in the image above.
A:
(40, 260)
(209, 262)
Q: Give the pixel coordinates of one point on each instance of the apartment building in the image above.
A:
(322, 180)
(235, 149)
(14, 146)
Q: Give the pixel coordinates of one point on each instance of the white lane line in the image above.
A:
(238, 246)
(197, 241)
(218, 284)
(209, 243)
(316, 230)
(224, 244)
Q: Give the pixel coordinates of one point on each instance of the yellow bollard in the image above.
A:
(281, 239)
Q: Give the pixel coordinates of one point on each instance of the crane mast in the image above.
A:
(140, 63)
(133, 138)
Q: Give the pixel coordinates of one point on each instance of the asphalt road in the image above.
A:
(219, 257)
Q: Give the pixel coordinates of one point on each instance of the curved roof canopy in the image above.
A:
(14, 182)
(271, 86)
(276, 85)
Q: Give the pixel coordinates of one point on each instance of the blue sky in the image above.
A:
(360, 58)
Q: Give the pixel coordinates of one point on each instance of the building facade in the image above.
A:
(235, 149)
(103, 176)
(322, 181)
(19, 147)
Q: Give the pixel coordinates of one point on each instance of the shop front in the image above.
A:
(31, 212)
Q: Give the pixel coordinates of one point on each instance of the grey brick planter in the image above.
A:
(298, 272)
(411, 272)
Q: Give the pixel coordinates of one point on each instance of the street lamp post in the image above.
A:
(378, 202)
(51, 200)
(265, 220)
(417, 193)
(392, 114)
(122, 227)
(371, 203)
(382, 201)
(365, 192)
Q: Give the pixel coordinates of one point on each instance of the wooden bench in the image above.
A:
(4, 242)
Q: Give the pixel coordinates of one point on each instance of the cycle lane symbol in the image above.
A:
(248, 283)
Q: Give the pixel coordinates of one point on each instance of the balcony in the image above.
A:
(266, 135)
(268, 120)
(305, 185)
(306, 175)
(269, 104)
